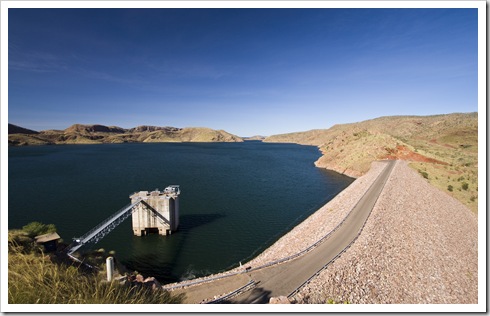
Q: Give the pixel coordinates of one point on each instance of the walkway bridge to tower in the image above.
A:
(151, 206)
(104, 228)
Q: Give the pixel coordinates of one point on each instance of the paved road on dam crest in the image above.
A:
(284, 278)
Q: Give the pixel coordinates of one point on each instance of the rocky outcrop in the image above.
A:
(90, 129)
(149, 282)
(279, 300)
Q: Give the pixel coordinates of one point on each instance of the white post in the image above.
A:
(110, 268)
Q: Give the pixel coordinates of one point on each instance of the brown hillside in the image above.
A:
(89, 129)
(443, 148)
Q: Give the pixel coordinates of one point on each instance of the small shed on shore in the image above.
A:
(49, 241)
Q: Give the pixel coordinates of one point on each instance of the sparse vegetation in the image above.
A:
(36, 228)
(444, 147)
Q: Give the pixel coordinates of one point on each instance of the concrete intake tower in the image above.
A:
(158, 211)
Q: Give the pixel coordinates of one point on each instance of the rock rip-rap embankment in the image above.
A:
(320, 223)
(312, 229)
(419, 245)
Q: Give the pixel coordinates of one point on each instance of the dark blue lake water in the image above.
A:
(236, 198)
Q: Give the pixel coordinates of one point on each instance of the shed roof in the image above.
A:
(47, 237)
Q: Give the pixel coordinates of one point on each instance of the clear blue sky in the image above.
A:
(247, 71)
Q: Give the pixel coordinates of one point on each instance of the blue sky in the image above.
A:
(247, 71)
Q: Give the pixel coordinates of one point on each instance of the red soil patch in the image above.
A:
(403, 153)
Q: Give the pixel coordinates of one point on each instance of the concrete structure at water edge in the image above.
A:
(157, 212)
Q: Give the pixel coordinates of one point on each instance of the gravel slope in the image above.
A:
(418, 246)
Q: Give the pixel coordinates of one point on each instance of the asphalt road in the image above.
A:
(282, 279)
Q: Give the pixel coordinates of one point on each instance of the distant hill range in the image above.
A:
(14, 129)
(96, 134)
(256, 137)
(443, 148)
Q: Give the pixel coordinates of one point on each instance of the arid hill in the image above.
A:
(87, 129)
(96, 134)
(14, 129)
(443, 148)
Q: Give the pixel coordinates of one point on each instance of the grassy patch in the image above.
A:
(33, 278)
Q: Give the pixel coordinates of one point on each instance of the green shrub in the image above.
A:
(36, 228)
(331, 301)
(450, 188)
(464, 186)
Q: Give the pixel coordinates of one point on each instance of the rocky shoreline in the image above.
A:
(320, 223)
(308, 232)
